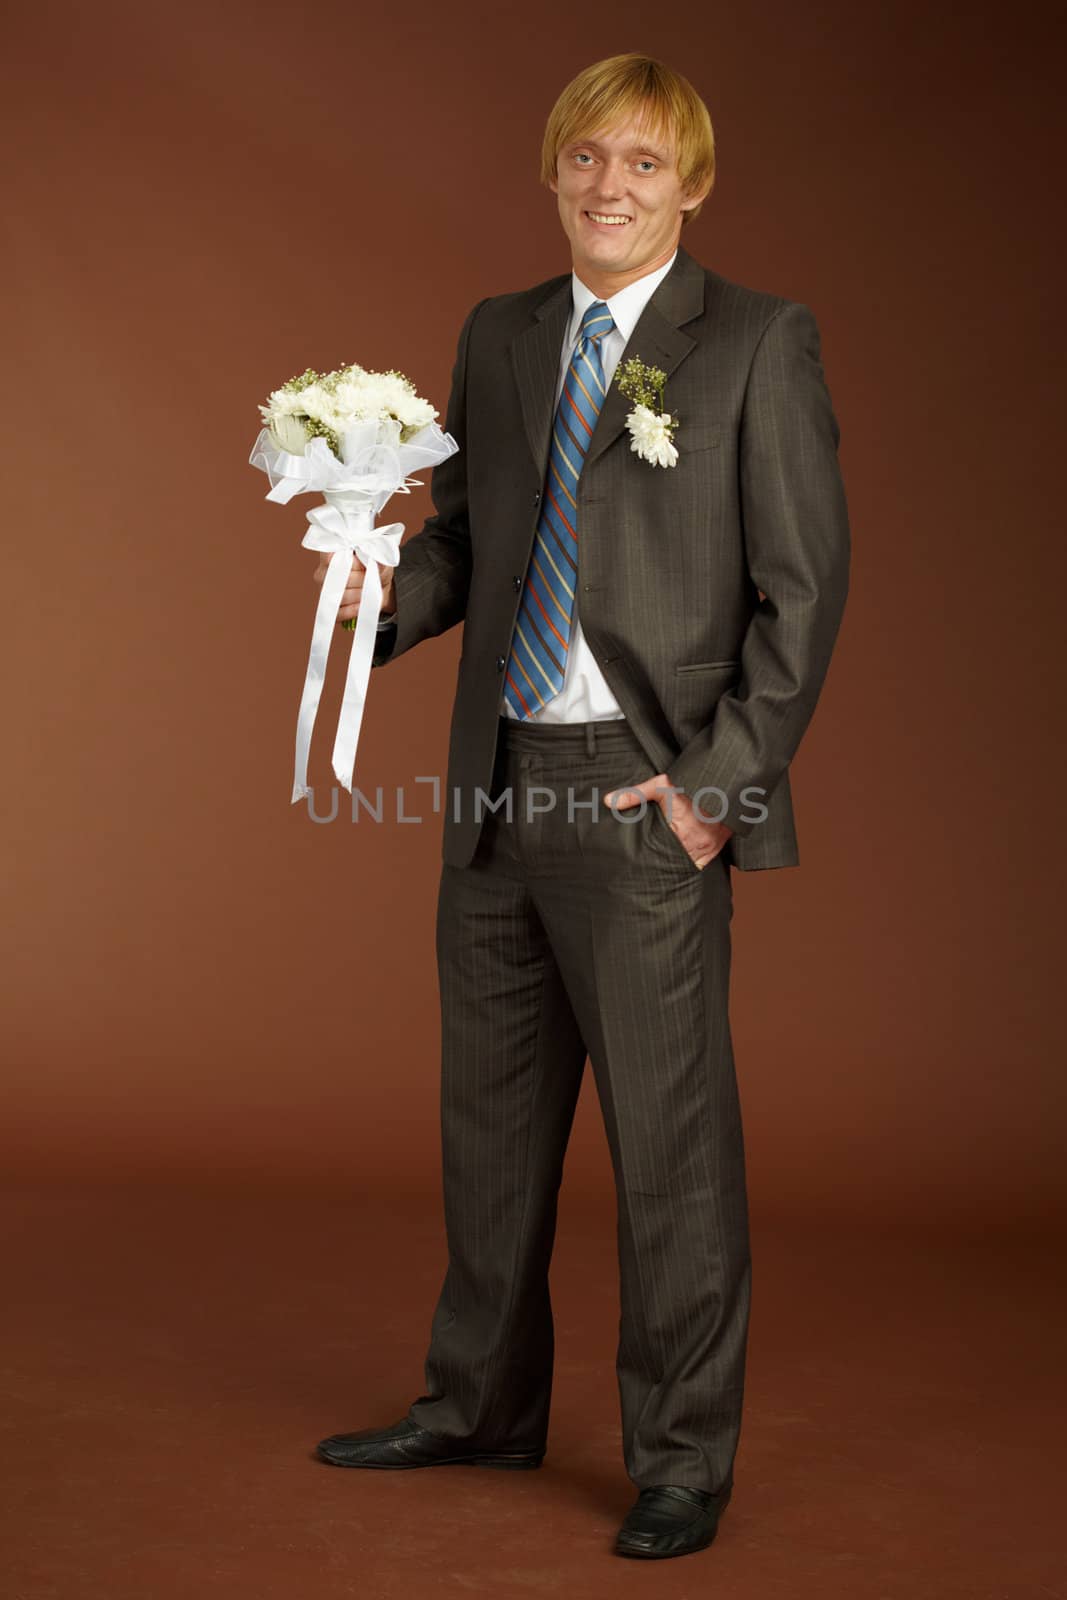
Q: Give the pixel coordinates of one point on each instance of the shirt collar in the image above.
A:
(625, 306)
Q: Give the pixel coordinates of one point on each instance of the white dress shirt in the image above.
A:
(585, 696)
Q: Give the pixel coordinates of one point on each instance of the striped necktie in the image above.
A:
(543, 627)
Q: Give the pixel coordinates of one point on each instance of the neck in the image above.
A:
(604, 283)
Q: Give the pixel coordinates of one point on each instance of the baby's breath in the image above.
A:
(305, 379)
(643, 385)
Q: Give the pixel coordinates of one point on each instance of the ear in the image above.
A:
(695, 199)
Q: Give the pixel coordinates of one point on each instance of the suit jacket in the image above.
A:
(711, 592)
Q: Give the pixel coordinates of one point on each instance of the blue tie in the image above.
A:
(541, 640)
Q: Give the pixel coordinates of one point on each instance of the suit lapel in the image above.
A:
(535, 357)
(657, 339)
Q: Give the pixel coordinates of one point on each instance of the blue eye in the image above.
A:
(583, 157)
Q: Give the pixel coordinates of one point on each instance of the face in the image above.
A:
(624, 172)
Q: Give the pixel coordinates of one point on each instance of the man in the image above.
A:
(643, 649)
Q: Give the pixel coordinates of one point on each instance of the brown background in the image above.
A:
(207, 201)
(220, 1225)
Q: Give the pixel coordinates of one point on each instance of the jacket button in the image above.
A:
(517, 581)
(537, 496)
(500, 663)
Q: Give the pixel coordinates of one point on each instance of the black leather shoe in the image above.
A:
(405, 1444)
(671, 1521)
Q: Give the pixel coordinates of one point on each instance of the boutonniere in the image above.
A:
(651, 428)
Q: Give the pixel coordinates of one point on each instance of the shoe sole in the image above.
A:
(505, 1463)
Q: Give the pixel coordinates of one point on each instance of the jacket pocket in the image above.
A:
(692, 436)
(708, 666)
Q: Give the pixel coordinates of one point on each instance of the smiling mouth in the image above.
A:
(611, 219)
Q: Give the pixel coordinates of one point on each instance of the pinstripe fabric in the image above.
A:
(563, 937)
(710, 594)
(538, 662)
(563, 933)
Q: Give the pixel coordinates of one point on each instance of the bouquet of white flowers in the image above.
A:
(352, 436)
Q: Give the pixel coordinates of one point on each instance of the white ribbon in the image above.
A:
(343, 530)
(354, 489)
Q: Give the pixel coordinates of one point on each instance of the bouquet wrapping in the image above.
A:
(353, 437)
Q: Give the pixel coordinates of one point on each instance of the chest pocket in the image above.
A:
(697, 435)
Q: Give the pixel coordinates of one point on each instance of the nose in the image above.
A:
(612, 179)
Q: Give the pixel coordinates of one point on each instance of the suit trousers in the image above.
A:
(577, 931)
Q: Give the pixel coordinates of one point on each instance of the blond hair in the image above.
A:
(632, 85)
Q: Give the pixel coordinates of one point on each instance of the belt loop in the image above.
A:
(590, 740)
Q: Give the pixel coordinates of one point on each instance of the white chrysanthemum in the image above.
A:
(381, 394)
(650, 436)
(289, 433)
(352, 400)
(415, 413)
(319, 404)
(283, 403)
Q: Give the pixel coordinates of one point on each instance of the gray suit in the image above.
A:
(711, 593)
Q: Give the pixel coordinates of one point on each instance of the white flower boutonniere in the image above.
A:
(651, 428)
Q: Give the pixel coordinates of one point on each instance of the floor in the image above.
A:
(172, 1351)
